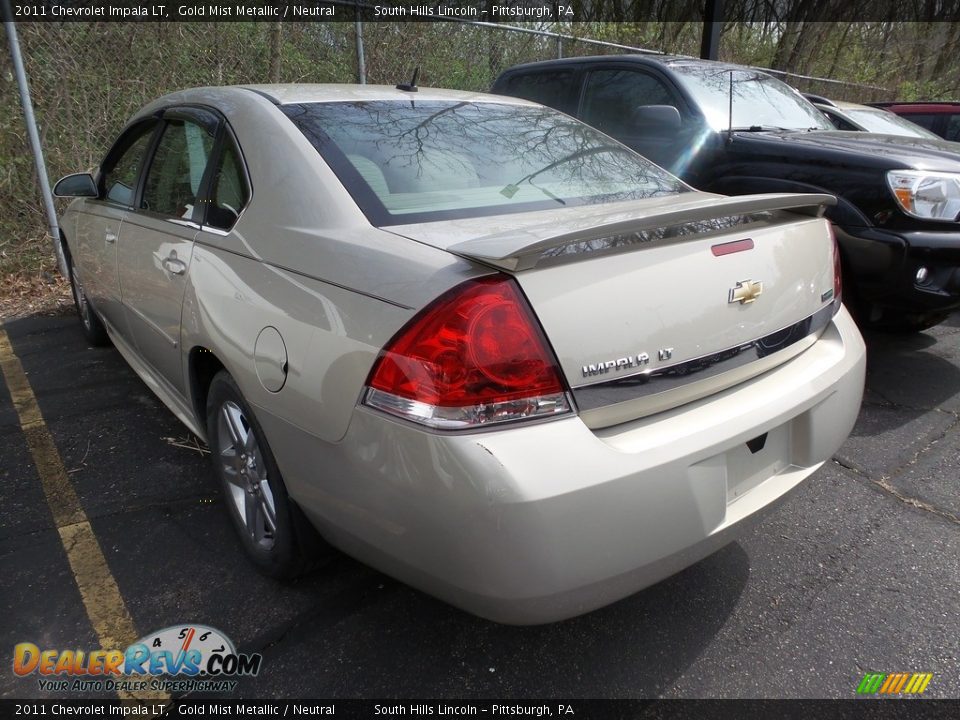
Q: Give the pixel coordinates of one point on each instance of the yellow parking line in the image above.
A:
(102, 600)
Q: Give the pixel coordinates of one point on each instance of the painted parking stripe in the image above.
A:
(102, 600)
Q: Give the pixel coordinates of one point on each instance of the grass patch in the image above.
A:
(30, 282)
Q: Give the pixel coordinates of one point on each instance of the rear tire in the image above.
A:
(276, 536)
(93, 328)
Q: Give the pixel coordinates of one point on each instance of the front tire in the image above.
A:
(90, 322)
(275, 535)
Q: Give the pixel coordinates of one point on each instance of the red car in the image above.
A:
(942, 118)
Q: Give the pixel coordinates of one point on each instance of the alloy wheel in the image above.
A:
(243, 468)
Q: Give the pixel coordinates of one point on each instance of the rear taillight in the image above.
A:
(837, 271)
(474, 356)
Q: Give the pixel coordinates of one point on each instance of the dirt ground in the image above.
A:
(35, 292)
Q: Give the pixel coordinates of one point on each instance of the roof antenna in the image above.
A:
(412, 85)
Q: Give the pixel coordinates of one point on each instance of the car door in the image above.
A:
(611, 96)
(156, 243)
(99, 222)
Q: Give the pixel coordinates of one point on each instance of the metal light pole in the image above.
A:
(30, 121)
(712, 26)
(361, 60)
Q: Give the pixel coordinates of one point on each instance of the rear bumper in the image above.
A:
(885, 266)
(541, 522)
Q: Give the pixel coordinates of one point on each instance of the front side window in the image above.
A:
(612, 97)
(176, 173)
(120, 175)
(415, 161)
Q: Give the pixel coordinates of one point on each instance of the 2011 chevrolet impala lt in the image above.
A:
(466, 339)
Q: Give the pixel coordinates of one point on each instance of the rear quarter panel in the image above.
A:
(331, 335)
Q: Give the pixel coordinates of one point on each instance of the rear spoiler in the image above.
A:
(522, 250)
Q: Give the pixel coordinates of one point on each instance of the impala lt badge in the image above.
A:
(625, 363)
(745, 292)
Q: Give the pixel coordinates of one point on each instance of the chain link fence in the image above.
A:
(86, 80)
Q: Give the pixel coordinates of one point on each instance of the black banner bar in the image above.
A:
(855, 709)
(495, 11)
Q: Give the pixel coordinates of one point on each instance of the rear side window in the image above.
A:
(229, 192)
(120, 174)
(176, 173)
(553, 89)
(612, 96)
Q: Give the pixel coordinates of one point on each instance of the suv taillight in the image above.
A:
(475, 356)
(837, 270)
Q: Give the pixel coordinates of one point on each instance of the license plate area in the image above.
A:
(750, 463)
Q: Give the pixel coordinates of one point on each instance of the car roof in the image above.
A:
(286, 94)
(293, 93)
(844, 105)
(651, 58)
(818, 99)
(932, 106)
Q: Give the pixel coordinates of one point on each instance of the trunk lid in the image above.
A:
(654, 303)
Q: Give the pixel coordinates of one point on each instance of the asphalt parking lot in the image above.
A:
(858, 571)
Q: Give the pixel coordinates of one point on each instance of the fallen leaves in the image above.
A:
(35, 293)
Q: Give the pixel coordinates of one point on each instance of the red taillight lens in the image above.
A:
(474, 356)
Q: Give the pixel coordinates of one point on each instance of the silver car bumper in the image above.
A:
(540, 522)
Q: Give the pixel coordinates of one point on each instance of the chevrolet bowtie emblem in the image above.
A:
(745, 292)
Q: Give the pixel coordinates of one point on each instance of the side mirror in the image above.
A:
(76, 185)
(656, 117)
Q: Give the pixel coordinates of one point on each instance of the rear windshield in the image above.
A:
(412, 161)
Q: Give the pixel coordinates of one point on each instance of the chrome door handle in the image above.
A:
(109, 237)
(172, 265)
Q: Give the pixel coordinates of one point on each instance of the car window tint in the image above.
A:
(120, 179)
(176, 172)
(418, 161)
(922, 119)
(553, 89)
(839, 122)
(612, 96)
(229, 192)
(953, 128)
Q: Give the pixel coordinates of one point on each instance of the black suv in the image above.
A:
(735, 130)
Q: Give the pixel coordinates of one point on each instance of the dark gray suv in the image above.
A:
(736, 130)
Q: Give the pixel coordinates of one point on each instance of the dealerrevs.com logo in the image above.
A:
(180, 658)
(894, 683)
